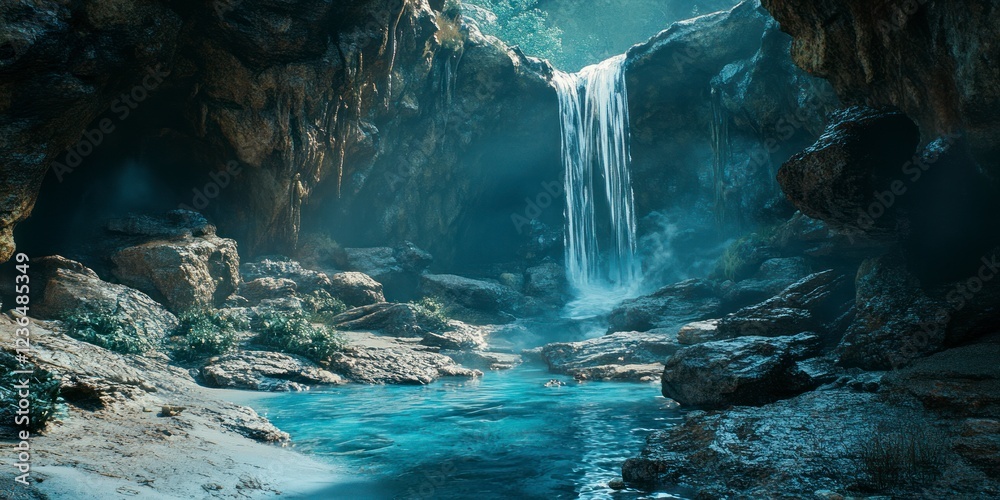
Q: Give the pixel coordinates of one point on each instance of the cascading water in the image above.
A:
(601, 260)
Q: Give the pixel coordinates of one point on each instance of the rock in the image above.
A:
(741, 371)
(265, 371)
(979, 443)
(306, 280)
(547, 283)
(170, 225)
(895, 320)
(379, 360)
(171, 411)
(412, 259)
(485, 360)
(806, 443)
(267, 288)
(398, 269)
(617, 356)
(459, 336)
(396, 319)
(185, 273)
(66, 287)
(474, 301)
(555, 383)
(669, 308)
(852, 54)
(629, 372)
(698, 332)
(796, 309)
(959, 382)
(356, 289)
(617, 484)
(836, 180)
(773, 276)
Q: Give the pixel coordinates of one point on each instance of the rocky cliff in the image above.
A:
(376, 120)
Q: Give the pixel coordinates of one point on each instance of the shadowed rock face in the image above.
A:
(352, 116)
(937, 61)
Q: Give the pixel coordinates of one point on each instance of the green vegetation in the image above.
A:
(517, 22)
(745, 255)
(322, 306)
(432, 313)
(293, 333)
(43, 397)
(107, 330)
(449, 34)
(204, 333)
(899, 456)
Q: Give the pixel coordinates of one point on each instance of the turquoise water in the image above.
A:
(505, 436)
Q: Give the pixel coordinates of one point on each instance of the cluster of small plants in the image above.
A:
(896, 457)
(107, 330)
(322, 307)
(432, 313)
(205, 333)
(294, 333)
(43, 397)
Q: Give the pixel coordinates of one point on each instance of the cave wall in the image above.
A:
(373, 121)
(935, 60)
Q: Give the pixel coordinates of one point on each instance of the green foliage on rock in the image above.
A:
(293, 333)
(43, 395)
(322, 307)
(205, 333)
(433, 313)
(107, 330)
(517, 22)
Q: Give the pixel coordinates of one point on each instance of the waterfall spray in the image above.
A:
(600, 208)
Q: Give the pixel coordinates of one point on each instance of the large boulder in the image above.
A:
(472, 300)
(265, 371)
(370, 359)
(895, 321)
(398, 269)
(839, 178)
(668, 308)
(961, 382)
(390, 318)
(795, 448)
(183, 273)
(66, 287)
(741, 371)
(356, 289)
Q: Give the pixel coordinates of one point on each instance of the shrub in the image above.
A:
(322, 306)
(295, 334)
(43, 398)
(449, 34)
(204, 333)
(107, 330)
(896, 457)
(432, 313)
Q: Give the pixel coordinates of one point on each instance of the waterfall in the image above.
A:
(600, 209)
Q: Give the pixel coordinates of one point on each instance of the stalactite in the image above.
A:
(392, 55)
